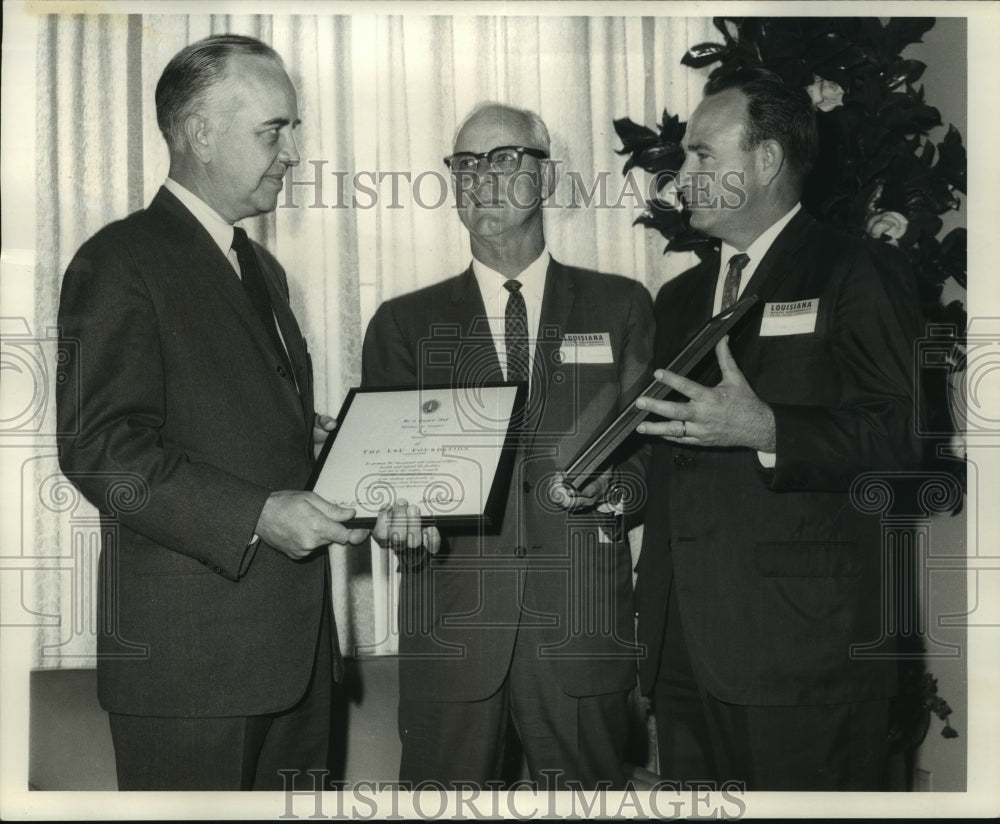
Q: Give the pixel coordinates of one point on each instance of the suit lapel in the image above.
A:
(557, 306)
(773, 269)
(703, 292)
(295, 345)
(214, 268)
(689, 306)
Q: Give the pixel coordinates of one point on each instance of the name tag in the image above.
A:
(586, 347)
(796, 317)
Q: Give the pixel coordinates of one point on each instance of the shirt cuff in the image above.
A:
(767, 459)
(611, 509)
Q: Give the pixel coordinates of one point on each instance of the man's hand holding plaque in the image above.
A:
(573, 500)
(596, 456)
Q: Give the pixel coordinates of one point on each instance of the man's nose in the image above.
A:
(483, 173)
(483, 167)
(289, 154)
(682, 181)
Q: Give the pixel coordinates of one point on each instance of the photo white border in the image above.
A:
(18, 169)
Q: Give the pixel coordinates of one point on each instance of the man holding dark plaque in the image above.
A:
(759, 580)
(528, 621)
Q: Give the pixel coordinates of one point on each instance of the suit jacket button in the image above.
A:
(681, 460)
(520, 551)
(281, 371)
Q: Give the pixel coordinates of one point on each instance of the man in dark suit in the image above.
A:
(759, 579)
(531, 622)
(192, 431)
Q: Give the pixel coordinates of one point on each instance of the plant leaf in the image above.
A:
(903, 71)
(720, 24)
(633, 134)
(953, 258)
(952, 162)
(902, 31)
(704, 54)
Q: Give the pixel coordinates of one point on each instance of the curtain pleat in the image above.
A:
(370, 216)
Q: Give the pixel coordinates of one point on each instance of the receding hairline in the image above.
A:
(231, 78)
(230, 73)
(533, 124)
(743, 124)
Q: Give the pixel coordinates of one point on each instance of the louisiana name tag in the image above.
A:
(586, 347)
(795, 317)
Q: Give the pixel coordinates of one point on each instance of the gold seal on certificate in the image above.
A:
(447, 449)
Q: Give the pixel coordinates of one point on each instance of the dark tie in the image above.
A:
(516, 332)
(731, 285)
(256, 289)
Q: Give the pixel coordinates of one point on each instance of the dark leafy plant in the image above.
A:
(876, 158)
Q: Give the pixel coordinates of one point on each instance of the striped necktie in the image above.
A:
(516, 332)
(731, 285)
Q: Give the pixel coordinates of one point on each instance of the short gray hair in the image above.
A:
(536, 126)
(192, 73)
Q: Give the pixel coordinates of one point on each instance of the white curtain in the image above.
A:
(380, 97)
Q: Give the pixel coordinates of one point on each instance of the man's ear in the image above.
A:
(548, 178)
(197, 131)
(770, 161)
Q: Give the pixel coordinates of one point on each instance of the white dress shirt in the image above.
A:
(495, 297)
(220, 230)
(755, 251)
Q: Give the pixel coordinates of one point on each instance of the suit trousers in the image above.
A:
(806, 748)
(564, 738)
(231, 753)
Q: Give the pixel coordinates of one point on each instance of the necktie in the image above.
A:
(256, 289)
(731, 285)
(516, 332)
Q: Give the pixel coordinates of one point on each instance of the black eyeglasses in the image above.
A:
(503, 160)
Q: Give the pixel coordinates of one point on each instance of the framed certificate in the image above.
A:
(447, 449)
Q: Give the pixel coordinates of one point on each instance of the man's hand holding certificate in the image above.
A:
(400, 527)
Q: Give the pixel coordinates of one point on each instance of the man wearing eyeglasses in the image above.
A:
(525, 627)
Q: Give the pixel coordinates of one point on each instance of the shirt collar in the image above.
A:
(532, 278)
(218, 227)
(756, 250)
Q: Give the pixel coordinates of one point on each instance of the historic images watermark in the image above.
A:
(523, 800)
(430, 189)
